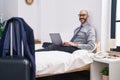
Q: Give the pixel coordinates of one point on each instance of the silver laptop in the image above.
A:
(56, 38)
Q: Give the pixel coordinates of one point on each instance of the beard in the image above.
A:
(83, 20)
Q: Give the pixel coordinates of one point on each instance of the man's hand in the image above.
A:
(70, 44)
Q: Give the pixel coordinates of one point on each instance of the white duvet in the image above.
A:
(54, 62)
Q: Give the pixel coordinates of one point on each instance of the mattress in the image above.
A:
(59, 62)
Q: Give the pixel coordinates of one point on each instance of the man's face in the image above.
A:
(83, 16)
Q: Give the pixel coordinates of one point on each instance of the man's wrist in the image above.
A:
(75, 45)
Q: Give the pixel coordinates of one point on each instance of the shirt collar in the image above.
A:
(85, 24)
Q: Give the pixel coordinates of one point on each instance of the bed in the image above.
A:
(50, 63)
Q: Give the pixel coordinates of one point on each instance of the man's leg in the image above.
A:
(51, 47)
(54, 47)
(46, 44)
(69, 49)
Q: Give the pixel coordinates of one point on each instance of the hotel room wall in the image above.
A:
(31, 15)
(18, 8)
(105, 24)
(1, 6)
(9, 8)
(62, 16)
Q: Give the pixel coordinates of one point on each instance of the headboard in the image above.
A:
(37, 41)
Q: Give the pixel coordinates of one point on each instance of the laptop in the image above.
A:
(56, 38)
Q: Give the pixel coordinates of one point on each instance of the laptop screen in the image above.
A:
(56, 38)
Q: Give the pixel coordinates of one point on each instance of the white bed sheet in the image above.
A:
(55, 62)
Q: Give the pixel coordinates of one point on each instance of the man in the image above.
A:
(83, 38)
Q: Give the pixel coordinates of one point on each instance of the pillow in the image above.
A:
(38, 46)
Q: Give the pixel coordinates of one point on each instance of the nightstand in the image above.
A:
(98, 64)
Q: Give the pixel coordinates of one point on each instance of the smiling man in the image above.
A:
(83, 38)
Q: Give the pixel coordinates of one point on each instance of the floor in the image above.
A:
(82, 75)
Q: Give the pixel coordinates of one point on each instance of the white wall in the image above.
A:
(30, 13)
(105, 24)
(61, 16)
(10, 8)
(1, 6)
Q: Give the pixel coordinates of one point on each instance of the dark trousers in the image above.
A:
(52, 47)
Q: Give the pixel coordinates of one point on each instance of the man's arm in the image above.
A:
(91, 39)
(70, 44)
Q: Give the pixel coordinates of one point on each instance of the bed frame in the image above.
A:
(86, 67)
